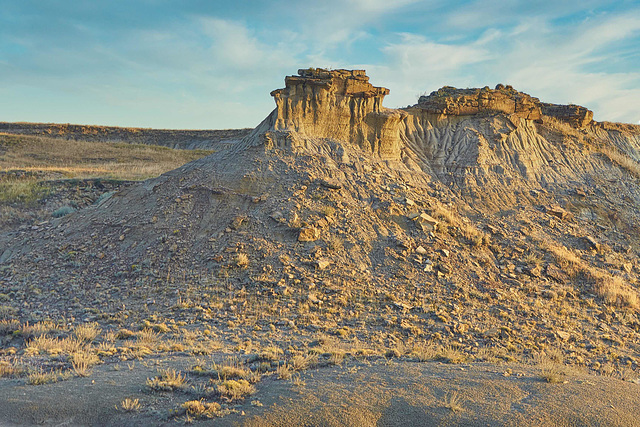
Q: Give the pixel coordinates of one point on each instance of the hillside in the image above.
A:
(479, 225)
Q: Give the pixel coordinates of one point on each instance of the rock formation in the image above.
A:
(338, 104)
(465, 102)
(577, 116)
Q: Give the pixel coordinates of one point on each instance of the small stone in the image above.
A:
(444, 269)
(592, 243)
(558, 212)
(535, 271)
(563, 335)
(237, 222)
(321, 264)
(308, 234)
(330, 183)
(121, 238)
(426, 222)
(420, 250)
(277, 216)
(409, 202)
(444, 252)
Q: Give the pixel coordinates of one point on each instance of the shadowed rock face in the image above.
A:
(338, 104)
(577, 116)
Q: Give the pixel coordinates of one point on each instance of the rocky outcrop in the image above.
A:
(338, 104)
(575, 115)
(466, 102)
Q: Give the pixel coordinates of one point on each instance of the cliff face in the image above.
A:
(465, 102)
(338, 104)
(575, 115)
(496, 145)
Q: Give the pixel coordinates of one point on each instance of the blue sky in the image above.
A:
(195, 64)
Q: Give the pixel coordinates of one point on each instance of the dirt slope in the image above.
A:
(494, 233)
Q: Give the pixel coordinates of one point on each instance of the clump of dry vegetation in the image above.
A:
(129, 405)
(168, 380)
(624, 161)
(201, 409)
(40, 377)
(232, 390)
(453, 402)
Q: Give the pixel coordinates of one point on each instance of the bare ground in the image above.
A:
(377, 392)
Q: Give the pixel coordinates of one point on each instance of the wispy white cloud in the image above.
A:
(547, 59)
(150, 66)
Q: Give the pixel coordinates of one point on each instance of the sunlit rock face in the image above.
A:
(465, 102)
(339, 104)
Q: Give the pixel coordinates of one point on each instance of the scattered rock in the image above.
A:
(592, 243)
(330, 183)
(426, 222)
(321, 264)
(309, 234)
(556, 274)
(558, 212)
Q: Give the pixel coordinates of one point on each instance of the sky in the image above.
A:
(209, 64)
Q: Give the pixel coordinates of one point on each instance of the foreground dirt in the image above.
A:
(377, 393)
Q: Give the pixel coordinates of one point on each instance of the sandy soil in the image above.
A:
(378, 392)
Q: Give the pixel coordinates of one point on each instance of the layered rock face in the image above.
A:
(465, 102)
(577, 116)
(338, 104)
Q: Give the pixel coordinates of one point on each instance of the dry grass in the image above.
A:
(453, 402)
(54, 346)
(232, 390)
(450, 354)
(622, 160)
(202, 409)
(11, 370)
(242, 260)
(9, 326)
(26, 191)
(228, 370)
(40, 377)
(612, 289)
(168, 380)
(615, 291)
(82, 362)
(551, 366)
(284, 372)
(87, 332)
(425, 352)
(37, 329)
(565, 258)
(81, 159)
(301, 363)
(129, 405)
